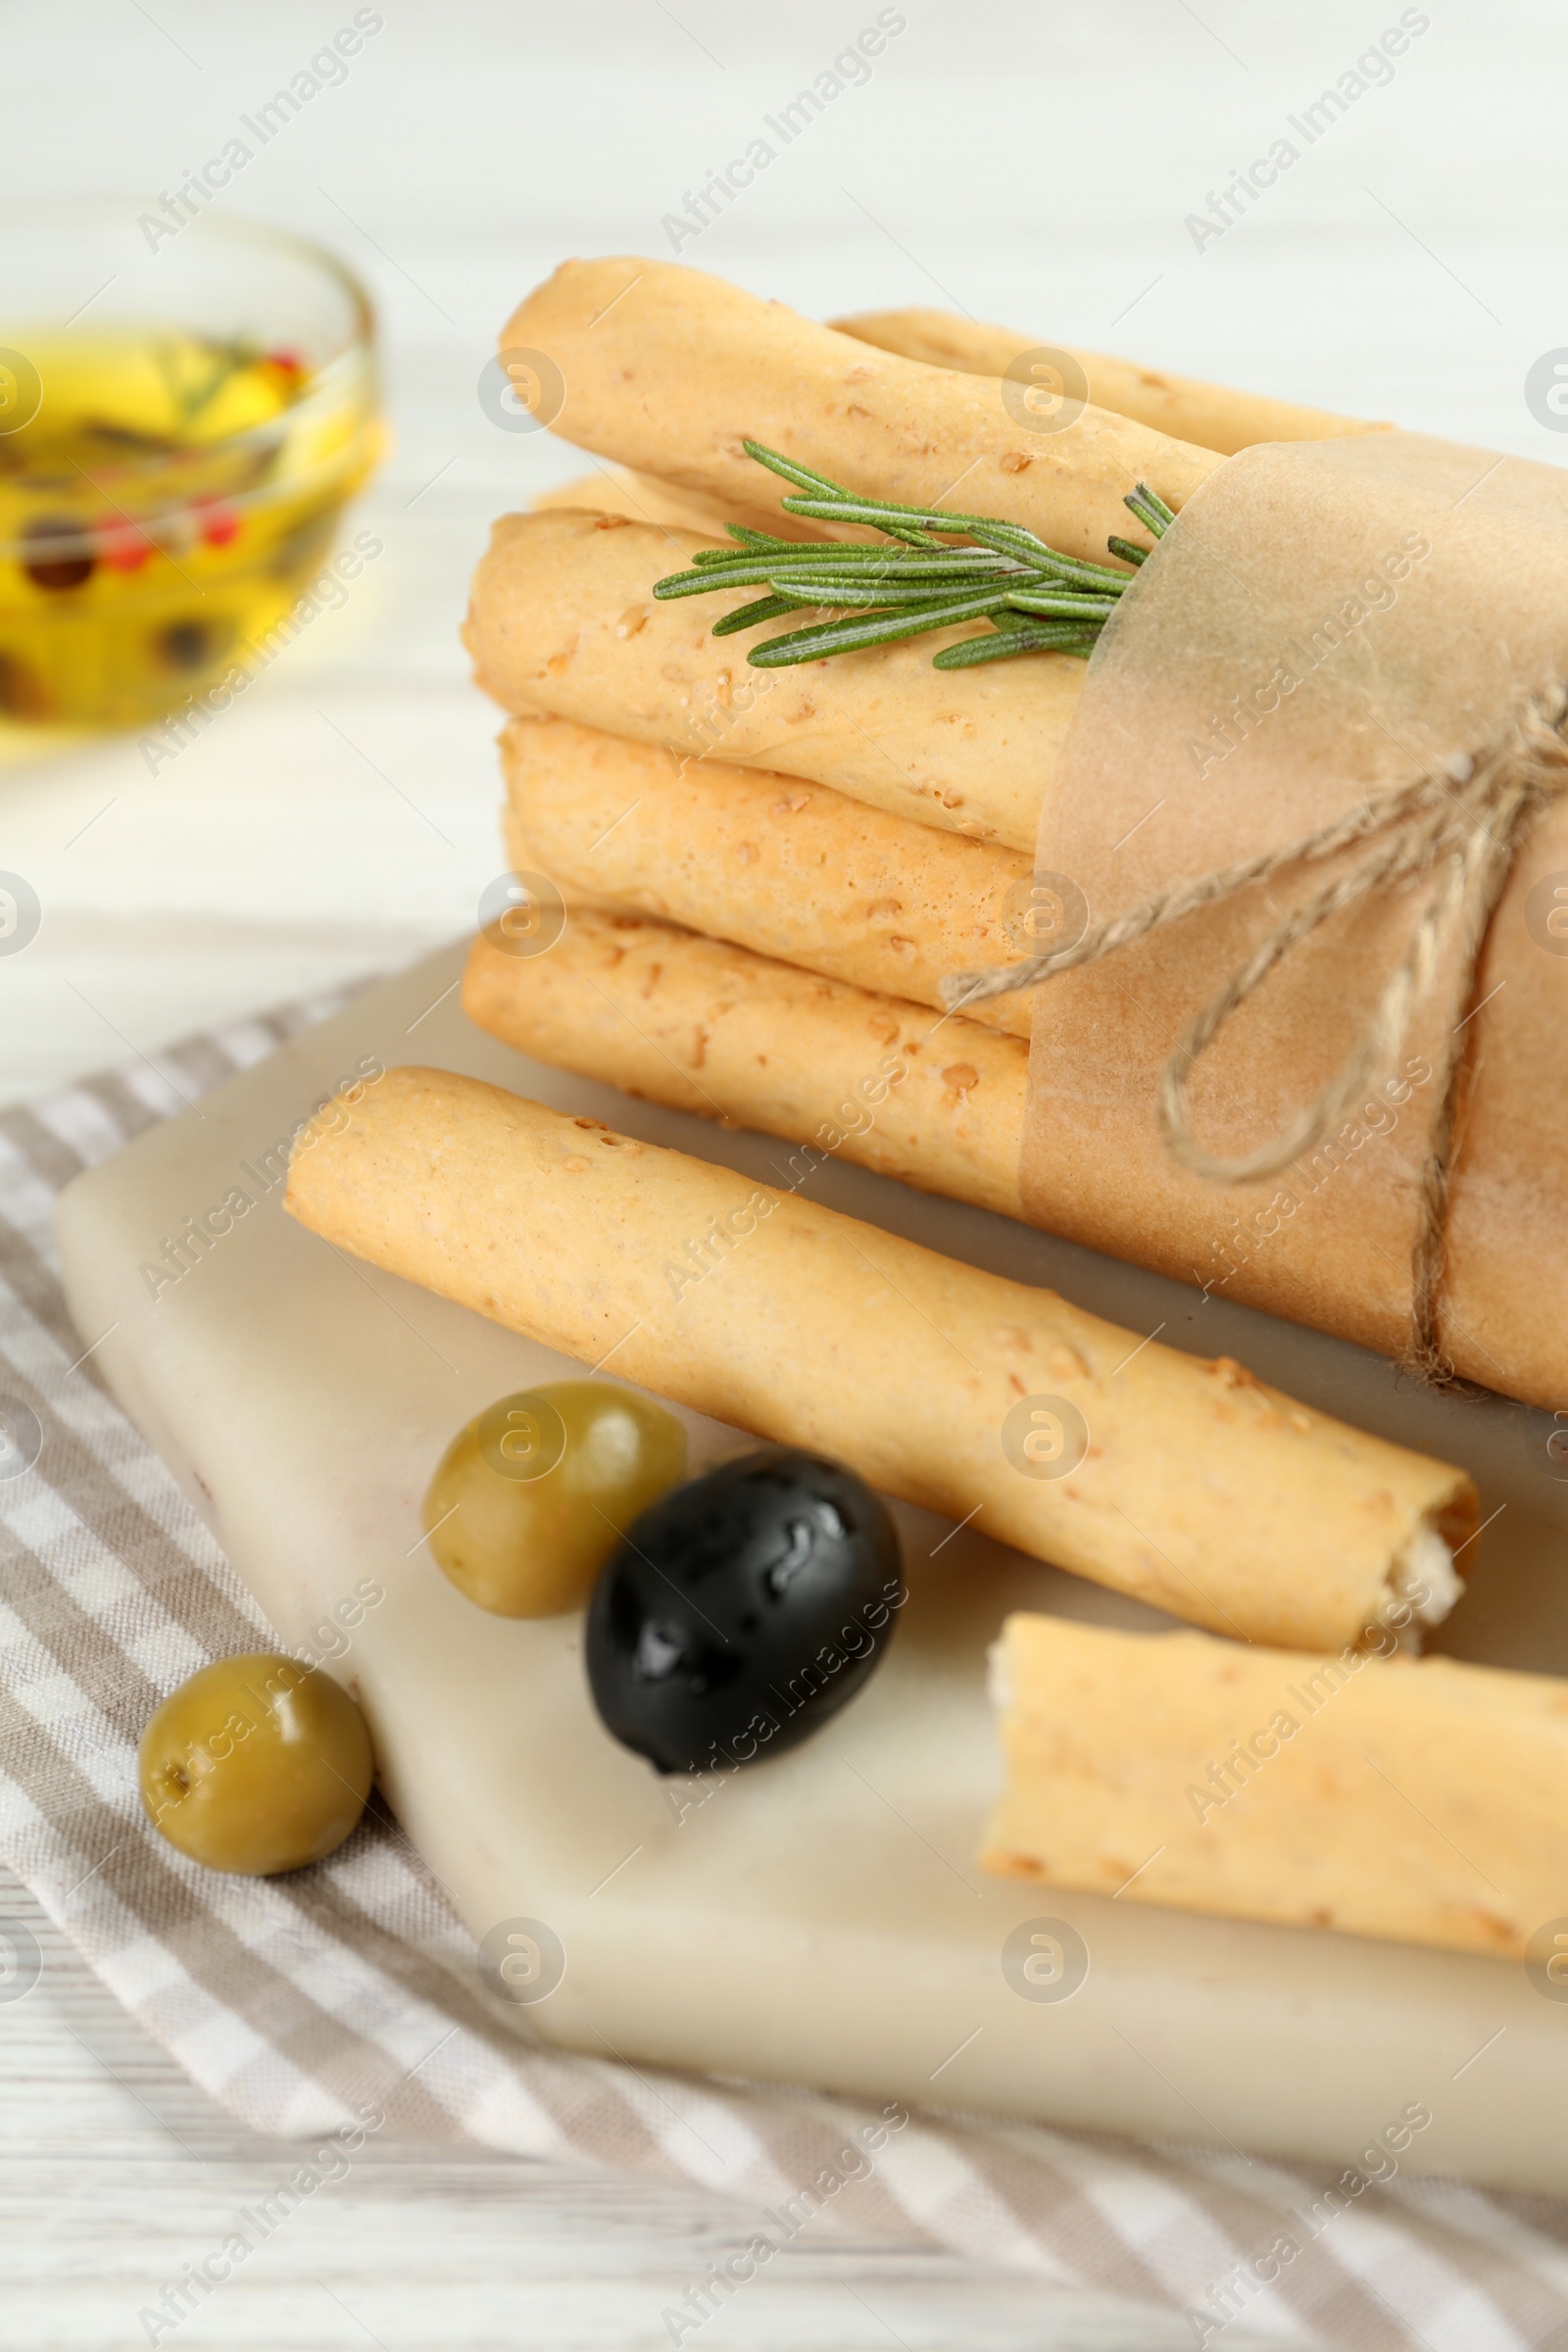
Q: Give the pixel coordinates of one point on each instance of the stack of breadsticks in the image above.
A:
(769, 874)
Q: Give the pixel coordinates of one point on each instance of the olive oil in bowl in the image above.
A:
(169, 487)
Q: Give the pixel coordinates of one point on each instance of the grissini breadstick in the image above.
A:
(1191, 1485)
(965, 1142)
(689, 1021)
(563, 618)
(767, 861)
(667, 369)
(1421, 1799)
(1212, 416)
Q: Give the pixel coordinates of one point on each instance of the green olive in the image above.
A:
(530, 1499)
(256, 1765)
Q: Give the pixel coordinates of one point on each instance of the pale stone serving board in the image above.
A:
(818, 1918)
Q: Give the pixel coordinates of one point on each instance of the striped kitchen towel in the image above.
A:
(347, 1998)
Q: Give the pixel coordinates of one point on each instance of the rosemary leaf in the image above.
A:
(1150, 508)
(825, 556)
(891, 519)
(1165, 515)
(870, 628)
(1065, 608)
(706, 558)
(792, 472)
(741, 570)
(1005, 645)
(754, 571)
(818, 486)
(750, 538)
(747, 616)
(826, 565)
(1081, 574)
(881, 592)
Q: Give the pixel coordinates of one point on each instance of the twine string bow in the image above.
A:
(1454, 830)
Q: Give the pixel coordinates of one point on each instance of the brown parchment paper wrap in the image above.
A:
(1325, 621)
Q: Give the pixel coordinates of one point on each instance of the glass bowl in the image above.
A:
(184, 407)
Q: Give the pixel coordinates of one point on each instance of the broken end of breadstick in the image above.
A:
(1415, 1800)
(1426, 1572)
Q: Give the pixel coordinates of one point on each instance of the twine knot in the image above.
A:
(1455, 831)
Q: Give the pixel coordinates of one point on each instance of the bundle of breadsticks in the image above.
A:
(888, 825)
(850, 831)
(769, 875)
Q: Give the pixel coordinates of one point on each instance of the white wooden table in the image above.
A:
(117, 2172)
(1030, 163)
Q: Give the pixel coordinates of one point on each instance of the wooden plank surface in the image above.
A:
(117, 2172)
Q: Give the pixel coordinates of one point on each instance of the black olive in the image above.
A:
(60, 554)
(742, 1610)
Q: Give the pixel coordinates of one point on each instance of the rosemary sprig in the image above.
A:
(1036, 599)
